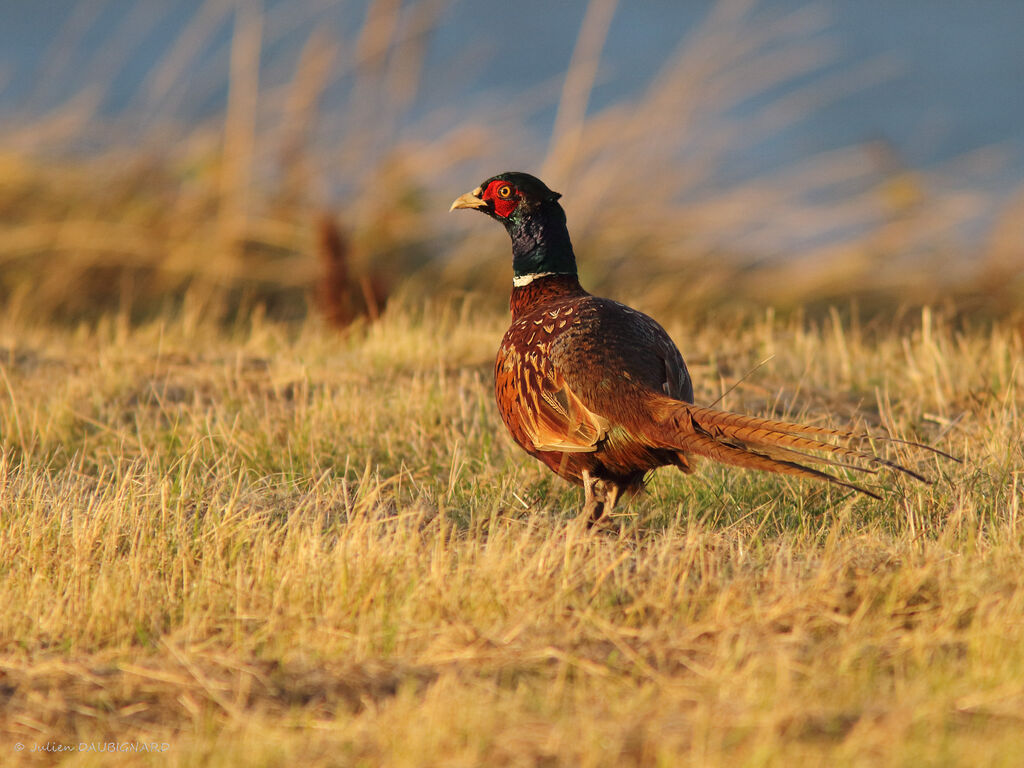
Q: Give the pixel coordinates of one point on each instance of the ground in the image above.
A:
(275, 544)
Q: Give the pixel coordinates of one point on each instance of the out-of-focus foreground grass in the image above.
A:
(232, 529)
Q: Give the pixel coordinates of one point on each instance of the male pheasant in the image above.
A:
(598, 392)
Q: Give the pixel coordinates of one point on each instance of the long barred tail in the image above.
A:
(771, 446)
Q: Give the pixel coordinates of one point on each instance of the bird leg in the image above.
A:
(592, 506)
(611, 495)
(599, 497)
(606, 493)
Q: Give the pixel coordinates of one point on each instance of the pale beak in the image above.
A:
(469, 200)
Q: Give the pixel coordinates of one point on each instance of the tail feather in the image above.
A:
(791, 454)
(728, 418)
(769, 445)
(763, 432)
(738, 456)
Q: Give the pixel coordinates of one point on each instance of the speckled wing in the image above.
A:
(614, 357)
(539, 408)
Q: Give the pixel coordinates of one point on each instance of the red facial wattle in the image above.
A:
(503, 205)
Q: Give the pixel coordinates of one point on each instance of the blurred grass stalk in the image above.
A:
(240, 123)
(101, 212)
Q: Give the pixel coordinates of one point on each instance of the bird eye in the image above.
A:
(505, 191)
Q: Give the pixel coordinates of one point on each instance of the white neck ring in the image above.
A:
(519, 281)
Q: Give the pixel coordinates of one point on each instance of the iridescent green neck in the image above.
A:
(540, 241)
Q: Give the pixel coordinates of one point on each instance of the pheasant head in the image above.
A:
(533, 218)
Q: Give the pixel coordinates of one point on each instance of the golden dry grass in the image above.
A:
(228, 529)
(271, 545)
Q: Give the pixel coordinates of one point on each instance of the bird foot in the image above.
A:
(593, 498)
(599, 499)
(593, 512)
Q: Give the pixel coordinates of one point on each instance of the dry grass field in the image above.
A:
(237, 533)
(269, 544)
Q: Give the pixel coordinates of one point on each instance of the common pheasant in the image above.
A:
(598, 392)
